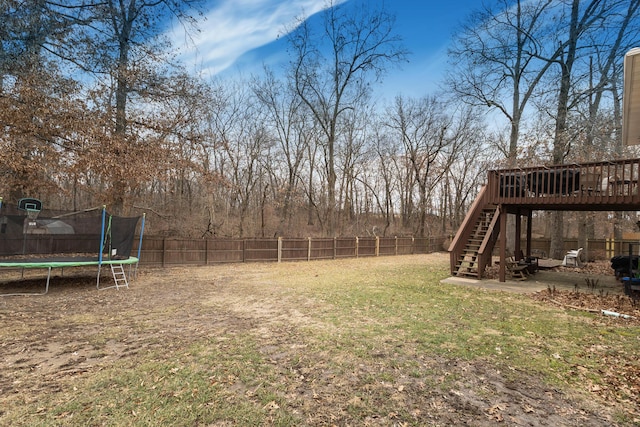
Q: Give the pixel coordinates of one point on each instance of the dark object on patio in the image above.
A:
(563, 182)
(621, 265)
(531, 262)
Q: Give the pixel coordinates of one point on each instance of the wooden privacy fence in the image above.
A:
(159, 251)
(595, 248)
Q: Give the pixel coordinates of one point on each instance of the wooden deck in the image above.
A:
(597, 186)
(600, 186)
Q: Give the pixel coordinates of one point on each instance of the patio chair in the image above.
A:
(516, 270)
(572, 258)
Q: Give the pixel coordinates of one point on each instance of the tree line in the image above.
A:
(96, 109)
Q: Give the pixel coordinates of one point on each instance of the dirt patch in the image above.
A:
(76, 330)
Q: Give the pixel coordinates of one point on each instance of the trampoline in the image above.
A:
(66, 262)
(29, 240)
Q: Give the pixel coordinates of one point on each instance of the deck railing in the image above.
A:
(611, 185)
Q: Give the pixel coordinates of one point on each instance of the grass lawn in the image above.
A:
(369, 341)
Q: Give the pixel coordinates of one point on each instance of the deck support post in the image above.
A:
(517, 246)
(502, 273)
(529, 220)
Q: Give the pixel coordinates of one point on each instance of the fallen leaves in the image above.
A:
(620, 376)
(495, 412)
(593, 303)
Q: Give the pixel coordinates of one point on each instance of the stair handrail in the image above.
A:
(490, 238)
(466, 228)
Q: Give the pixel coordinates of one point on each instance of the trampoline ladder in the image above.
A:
(119, 276)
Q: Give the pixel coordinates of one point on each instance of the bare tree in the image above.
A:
(351, 153)
(287, 119)
(385, 184)
(242, 149)
(429, 145)
(579, 19)
(535, 49)
(331, 71)
(602, 135)
(494, 60)
(465, 175)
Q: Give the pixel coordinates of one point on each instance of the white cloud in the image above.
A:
(234, 27)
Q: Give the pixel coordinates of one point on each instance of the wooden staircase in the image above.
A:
(468, 262)
(471, 249)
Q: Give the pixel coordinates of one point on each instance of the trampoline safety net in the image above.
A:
(85, 233)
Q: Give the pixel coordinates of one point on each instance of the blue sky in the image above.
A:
(240, 35)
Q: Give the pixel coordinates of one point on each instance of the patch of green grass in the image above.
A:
(198, 386)
(388, 306)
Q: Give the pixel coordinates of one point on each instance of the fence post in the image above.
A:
(335, 247)
(244, 250)
(164, 250)
(309, 249)
(357, 246)
(395, 252)
(279, 249)
(377, 246)
(206, 252)
(609, 248)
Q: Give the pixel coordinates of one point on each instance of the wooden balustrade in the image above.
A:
(603, 186)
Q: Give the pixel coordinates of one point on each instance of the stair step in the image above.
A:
(467, 273)
(467, 264)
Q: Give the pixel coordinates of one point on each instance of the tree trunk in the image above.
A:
(561, 143)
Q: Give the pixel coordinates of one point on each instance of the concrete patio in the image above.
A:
(547, 278)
